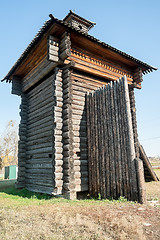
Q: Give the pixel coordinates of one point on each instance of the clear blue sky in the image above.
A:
(132, 26)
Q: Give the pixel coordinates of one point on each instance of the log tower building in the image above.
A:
(52, 76)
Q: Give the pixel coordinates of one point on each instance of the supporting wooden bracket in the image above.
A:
(71, 64)
(16, 85)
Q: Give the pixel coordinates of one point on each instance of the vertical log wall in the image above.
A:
(81, 83)
(113, 168)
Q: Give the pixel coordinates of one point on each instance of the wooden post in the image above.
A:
(134, 120)
(141, 181)
(131, 148)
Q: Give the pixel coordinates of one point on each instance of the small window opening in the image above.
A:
(80, 27)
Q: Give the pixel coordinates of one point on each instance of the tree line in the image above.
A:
(9, 145)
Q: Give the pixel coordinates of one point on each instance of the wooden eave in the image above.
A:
(38, 50)
(83, 44)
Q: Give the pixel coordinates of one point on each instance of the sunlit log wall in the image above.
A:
(114, 170)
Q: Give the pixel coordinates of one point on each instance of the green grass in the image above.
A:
(23, 197)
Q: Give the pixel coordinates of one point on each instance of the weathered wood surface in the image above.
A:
(17, 86)
(37, 74)
(134, 121)
(150, 175)
(39, 143)
(113, 168)
(41, 132)
(53, 48)
(100, 68)
(57, 133)
(81, 84)
(21, 181)
(68, 154)
(65, 46)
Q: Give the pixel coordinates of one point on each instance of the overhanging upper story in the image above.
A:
(67, 41)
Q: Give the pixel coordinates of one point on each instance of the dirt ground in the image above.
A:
(25, 218)
(80, 220)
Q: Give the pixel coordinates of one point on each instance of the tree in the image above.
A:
(1, 164)
(9, 144)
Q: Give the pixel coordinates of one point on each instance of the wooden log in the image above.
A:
(110, 142)
(40, 150)
(22, 142)
(105, 161)
(39, 160)
(134, 121)
(40, 145)
(145, 159)
(39, 131)
(41, 189)
(47, 120)
(40, 75)
(141, 181)
(130, 142)
(39, 171)
(40, 103)
(103, 141)
(65, 43)
(65, 54)
(48, 183)
(16, 86)
(117, 144)
(53, 58)
(44, 86)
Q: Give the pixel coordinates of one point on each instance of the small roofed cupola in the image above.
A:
(78, 22)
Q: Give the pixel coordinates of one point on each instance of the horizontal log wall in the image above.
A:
(16, 86)
(113, 168)
(40, 154)
(22, 142)
(37, 73)
(81, 84)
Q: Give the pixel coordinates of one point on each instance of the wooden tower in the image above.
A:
(52, 76)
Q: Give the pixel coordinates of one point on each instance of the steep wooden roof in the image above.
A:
(57, 27)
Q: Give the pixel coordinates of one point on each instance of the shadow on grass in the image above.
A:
(24, 193)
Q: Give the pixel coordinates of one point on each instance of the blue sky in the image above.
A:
(129, 25)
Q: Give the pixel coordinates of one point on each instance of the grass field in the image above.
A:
(25, 215)
(153, 188)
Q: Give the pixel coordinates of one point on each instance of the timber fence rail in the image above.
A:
(114, 170)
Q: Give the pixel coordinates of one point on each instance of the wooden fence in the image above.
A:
(114, 170)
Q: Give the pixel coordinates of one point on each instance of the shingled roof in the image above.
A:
(48, 24)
